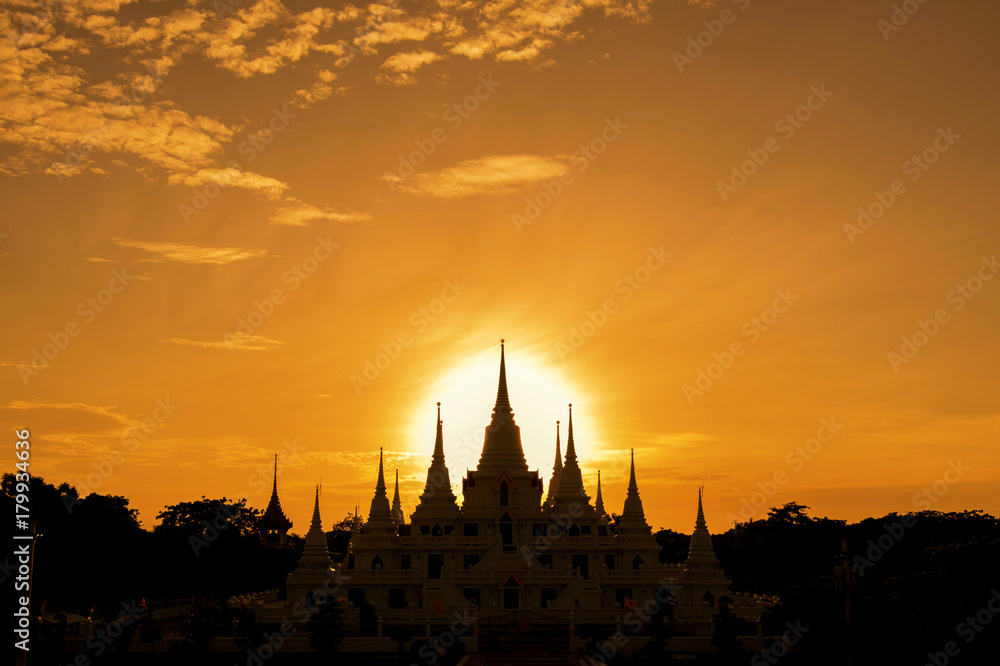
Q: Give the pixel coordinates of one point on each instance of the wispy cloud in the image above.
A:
(230, 177)
(240, 342)
(398, 69)
(192, 254)
(492, 175)
(70, 421)
(299, 214)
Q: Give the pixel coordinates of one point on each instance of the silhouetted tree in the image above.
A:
(792, 513)
(613, 520)
(339, 535)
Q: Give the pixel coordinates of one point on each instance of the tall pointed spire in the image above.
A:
(438, 455)
(438, 501)
(570, 446)
(317, 522)
(380, 513)
(502, 412)
(556, 471)
(633, 520)
(699, 522)
(274, 525)
(397, 506)
(502, 445)
(633, 487)
(702, 553)
(571, 478)
(599, 502)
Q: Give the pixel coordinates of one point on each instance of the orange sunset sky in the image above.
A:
(217, 216)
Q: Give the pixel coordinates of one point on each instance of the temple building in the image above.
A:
(520, 545)
(274, 525)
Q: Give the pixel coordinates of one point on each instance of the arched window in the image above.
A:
(436, 530)
(503, 494)
(637, 562)
(708, 598)
(574, 530)
(377, 562)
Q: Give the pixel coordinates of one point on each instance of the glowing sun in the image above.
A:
(539, 396)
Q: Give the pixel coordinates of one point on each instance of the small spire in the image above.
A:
(633, 516)
(570, 488)
(380, 485)
(556, 470)
(558, 463)
(633, 487)
(570, 446)
(701, 554)
(380, 514)
(599, 502)
(316, 522)
(437, 490)
(274, 488)
(397, 506)
(699, 522)
(274, 519)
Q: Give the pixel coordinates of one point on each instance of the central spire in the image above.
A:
(502, 412)
(502, 445)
